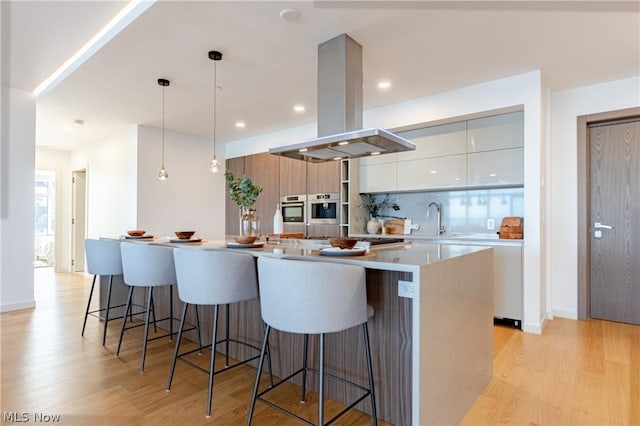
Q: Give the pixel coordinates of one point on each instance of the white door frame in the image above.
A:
(78, 220)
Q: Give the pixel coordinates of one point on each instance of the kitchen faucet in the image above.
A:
(438, 207)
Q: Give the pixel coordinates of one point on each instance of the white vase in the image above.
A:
(374, 226)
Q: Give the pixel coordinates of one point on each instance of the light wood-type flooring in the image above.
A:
(576, 373)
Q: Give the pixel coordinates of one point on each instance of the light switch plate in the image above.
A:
(491, 225)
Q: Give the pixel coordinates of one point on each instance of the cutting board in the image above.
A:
(399, 226)
(511, 228)
(394, 226)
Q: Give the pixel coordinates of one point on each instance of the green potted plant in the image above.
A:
(244, 193)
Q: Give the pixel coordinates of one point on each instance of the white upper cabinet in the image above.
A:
(378, 173)
(496, 132)
(378, 177)
(439, 172)
(436, 141)
(486, 151)
(496, 168)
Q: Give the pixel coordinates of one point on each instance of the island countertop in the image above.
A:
(407, 256)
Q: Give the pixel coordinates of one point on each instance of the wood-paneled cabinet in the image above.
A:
(323, 177)
(293, 176)
(263, 170)
(278, 176)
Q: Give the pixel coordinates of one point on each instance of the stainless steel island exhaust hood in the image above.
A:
(340, 133)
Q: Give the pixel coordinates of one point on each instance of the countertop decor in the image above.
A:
(242, 190)
(374, 207)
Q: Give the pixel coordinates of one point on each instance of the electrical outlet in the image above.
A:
(405, 289)
(491, 225)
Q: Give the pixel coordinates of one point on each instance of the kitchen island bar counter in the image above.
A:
(407, 256)
(432, 330)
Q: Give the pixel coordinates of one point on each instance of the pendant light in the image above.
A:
(215, 56)
(162, 174)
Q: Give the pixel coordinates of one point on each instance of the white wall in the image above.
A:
(17, 195)
(111, 183)
(526, 90)
(566, 107)
(192, 198)
(59, 162)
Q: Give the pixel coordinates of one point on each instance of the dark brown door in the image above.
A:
(615, 221)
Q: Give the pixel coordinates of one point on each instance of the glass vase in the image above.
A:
(249, 223)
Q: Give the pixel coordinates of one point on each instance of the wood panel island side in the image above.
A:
(432, 350)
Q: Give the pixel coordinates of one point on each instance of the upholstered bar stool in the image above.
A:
(103, 259)
(147, 266)
(306, 297)
(214, 278)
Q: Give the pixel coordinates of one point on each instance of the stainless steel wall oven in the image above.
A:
(293, 208)
(324, 208)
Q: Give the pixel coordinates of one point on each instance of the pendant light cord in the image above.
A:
(163, 87)
(215, 88)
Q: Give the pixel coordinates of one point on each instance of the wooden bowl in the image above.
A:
(185, 235)
(249, 239)
(136, 232)
(343, 242)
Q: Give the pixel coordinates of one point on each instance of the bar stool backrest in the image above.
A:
(208, 277)
(311, 297)
(147, 265)
(103, 257)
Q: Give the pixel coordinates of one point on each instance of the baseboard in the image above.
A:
(18, 306)
(566, 313)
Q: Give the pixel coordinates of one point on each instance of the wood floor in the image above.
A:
(576, 373)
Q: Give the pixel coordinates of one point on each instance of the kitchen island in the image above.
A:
(431, 332)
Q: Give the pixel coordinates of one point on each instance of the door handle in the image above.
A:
(598, 225)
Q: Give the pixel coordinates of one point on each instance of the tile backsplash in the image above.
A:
(463, 212)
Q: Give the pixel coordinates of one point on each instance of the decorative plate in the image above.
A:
(337, 251)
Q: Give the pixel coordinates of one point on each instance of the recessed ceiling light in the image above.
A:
(303, 150)
(290, 15)
(343, 143)
(375, 153)
(384, 84)
(492, 174)
(298, 108)
(433, 172)
(337, 158)
(240, 124)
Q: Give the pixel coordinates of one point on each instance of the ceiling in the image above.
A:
(269, 63)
